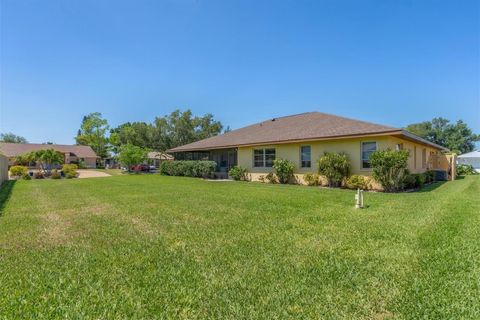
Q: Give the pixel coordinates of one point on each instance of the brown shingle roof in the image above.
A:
(15, 149)
(304, 126)
(159, 155)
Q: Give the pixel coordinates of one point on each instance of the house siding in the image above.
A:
(352, 147)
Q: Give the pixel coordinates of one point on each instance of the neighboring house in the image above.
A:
(72, 153)
(156, 158)
(471, 158)
(303, 139)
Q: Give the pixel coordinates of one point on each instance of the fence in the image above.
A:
(3, 169)
(445, 162)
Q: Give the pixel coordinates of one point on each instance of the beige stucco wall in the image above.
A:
(3, 169)
(91, 162)
(352, 147)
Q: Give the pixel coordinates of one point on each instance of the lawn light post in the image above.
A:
(359, 199)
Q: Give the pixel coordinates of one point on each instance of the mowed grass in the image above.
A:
(148, 246)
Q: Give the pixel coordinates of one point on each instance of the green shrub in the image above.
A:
(18, 171)
(465, 169)
(409, 181)
(56, 175)
(414, 180)
(429, 176)
(271, 178)
(311, 179)
(283, 170)
(238, 173)
(26, 177)
(335, 167)
(188, 168)
(38, 175)
(390, 168)
(70, 170)
(357, 182)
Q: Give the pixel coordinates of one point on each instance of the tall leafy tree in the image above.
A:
(177, 128)
(12, 138)
(93, 132)
(457, 136)
(130, 155)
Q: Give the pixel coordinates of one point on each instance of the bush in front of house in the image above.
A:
(357, 182)
(429, 176)
(414, 181)
(188, 168)
(283, 170)
(55, 175)
(271, 178)
(38, 175)
(70, 170)
(311, 179)
(465, 169)
(238, 173)
(390, 168)
(18, 171)
(335, 167)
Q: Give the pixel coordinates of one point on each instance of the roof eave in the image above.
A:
(423, 141)
(360, 135)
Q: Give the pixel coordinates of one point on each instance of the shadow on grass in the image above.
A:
(432, 186)
(5, 193)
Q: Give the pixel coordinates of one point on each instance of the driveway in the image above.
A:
(82, 173)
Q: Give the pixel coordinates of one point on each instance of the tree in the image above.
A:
(46, 159)
(12, 138)
(137, 133)
(130, 155)
(457, 137)
(93, 132)
(177, 128)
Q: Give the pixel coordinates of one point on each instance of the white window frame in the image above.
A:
(361, 154)
(264, 158)
(301, 160)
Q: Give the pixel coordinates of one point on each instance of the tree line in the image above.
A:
(176, 129)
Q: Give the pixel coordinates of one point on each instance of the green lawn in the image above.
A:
(148, 246)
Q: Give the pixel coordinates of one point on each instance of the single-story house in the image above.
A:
(155, 158)
(72, 153)
(471, 158)
(303, 139)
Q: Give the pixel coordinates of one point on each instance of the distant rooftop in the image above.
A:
(15, 149)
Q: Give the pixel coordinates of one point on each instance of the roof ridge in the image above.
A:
(48, 144)
(356, 120)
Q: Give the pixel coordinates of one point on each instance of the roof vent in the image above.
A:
(274, 119)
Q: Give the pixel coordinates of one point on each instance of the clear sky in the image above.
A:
(392, 62)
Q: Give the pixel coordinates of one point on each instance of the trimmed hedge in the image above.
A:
(188, 168)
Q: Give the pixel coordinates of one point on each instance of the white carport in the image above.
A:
(471, 158)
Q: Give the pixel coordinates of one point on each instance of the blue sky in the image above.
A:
(386, 61)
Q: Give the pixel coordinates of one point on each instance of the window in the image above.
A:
(424, 158)
(399, 146)
(305, 156)
(415, 157)
(258, 158)
(263, 157)
(367, 149)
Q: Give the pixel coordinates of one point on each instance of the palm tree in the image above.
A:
(51, 157)
(46, 159)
